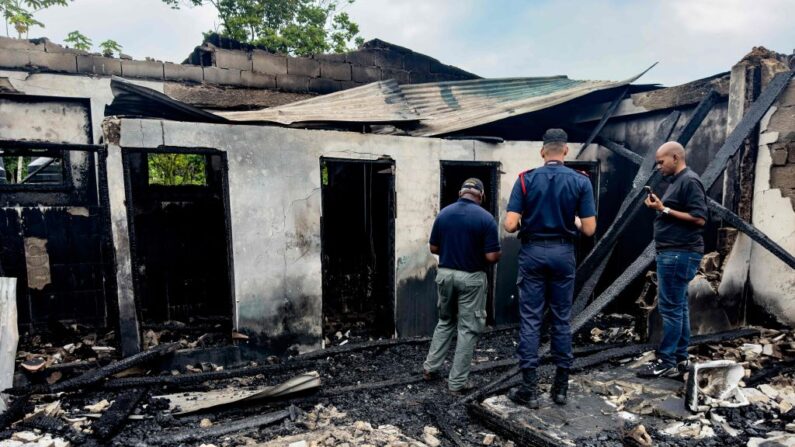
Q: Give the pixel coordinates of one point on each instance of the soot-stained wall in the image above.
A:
(50, 235)
(275, 210)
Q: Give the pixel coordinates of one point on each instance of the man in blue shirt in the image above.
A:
(464, 235)
(548, 206)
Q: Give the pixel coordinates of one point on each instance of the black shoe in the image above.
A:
(560, 386)
(656, 369)
(527, 393)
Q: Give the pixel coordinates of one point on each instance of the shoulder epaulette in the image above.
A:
(583, 173)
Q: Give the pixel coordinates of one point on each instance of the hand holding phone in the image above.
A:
(649, 192)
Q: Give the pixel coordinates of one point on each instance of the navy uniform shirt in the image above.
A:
(464, 233)
(685, 193)
(554, 195)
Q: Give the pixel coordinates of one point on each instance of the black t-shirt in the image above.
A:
(686, 193)
(464, 233)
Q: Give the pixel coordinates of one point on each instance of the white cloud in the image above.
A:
(142, 27)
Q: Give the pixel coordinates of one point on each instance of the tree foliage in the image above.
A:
(19, 13)
(177, 169)
(109, 47)
(298, 27)
(78, 41)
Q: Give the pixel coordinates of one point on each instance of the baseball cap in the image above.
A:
(473, 183)
(555, 136)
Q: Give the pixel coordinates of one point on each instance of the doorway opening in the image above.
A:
(358, 246)
(180, 239)
(453, 175)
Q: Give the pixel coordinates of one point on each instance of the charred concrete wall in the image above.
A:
(49, 234)
(275, 204)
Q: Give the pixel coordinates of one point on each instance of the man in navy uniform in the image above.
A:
(548, 206)
(678, 237)
(464, 235)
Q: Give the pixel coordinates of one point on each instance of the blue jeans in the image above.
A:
(546, 277)
(675, 270)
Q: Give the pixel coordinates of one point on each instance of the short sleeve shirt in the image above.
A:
(686, 193)
(464, 233)
(553, 194)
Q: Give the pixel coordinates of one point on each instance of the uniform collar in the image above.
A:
(464, 199)
(553, 163)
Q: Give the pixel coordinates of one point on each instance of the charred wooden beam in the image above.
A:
(92, 377)
(759, 237)
(115, 417)
(744, 127)
(590, 270)
(198, 378)
(442, 420)
(608, 113)
(198, 434)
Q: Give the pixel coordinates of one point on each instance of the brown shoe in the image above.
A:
(429, 375)
(464, 390)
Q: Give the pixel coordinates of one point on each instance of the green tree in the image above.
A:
(19, 13)
(297, 27)
(78, 41)
(109, 47)
(177, 169)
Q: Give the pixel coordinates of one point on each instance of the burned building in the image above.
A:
(315, 181)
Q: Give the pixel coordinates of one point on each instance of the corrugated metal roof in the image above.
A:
(438, 108)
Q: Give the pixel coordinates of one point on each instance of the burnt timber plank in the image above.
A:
(608, 113)
(197, 434)
(589, 272)
(592, 267)
(96, 375)
(114, 418)
(759, 237)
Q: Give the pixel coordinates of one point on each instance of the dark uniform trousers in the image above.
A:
(546, 276)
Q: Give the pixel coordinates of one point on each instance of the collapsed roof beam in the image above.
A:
(608, 113)
(754, 233)
(589, 272)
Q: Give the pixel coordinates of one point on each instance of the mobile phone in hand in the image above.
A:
(648, 191)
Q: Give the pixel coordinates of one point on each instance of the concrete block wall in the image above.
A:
(241, 67)
(375, 61)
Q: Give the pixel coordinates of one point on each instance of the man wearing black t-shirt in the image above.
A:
(464, 235)
(678, 229)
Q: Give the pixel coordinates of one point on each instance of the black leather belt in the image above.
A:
(546, 239)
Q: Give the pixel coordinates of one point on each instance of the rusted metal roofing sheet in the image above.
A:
(438, 108)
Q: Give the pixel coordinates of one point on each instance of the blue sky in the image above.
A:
(596, 39)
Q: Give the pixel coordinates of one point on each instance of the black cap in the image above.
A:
(473, 183)
(555, 136)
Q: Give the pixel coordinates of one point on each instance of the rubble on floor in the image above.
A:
(372, 393)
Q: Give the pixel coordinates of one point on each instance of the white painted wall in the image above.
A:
(77, 86)
(773, 281)
(274, 188)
